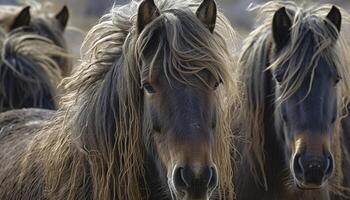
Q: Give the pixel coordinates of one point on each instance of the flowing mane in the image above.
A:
(23, 58)
(45, 25)
(93, 147)
(254, 64)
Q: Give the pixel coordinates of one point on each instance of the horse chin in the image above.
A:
(177, 195)
(187, 198)
(309, 186)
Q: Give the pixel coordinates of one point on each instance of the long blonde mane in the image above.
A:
(254, 62)
(93, 147)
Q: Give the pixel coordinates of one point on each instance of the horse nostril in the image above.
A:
(180, 181)
(195, 181)
(311, 171)
(213, 179)
(298, 166)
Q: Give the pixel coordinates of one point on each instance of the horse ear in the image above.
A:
(22, 19)
(148, 11)
(62, 17)
(281, 27)
(334, 17)
(206, 13)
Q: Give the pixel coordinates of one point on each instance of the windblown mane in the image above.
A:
(43, 23)
(254, 62)
(94, 149)
(26, 62)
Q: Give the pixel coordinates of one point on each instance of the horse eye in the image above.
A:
(337, 79)
(148, 88)
(279, 78)
(216, 85)
(279, 74)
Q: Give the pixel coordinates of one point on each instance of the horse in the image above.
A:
(33, 61)
(143, 117)
(42, 22)
(52, 26)
(295, 82)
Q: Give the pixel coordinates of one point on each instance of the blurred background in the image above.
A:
(85, 13)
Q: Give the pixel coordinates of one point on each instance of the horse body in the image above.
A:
(143, 117)
(21, 124)
(292, 116)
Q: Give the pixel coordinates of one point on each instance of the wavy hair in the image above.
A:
(93, 147)
(27, 65)
(254, 61)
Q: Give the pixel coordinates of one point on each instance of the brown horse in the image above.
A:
(42, 22)
(143, 117)
(296, 78)
(52, 26)
(33, 59)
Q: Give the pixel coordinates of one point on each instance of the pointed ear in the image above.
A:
(281, 27)
(334, 17)
(148, 11)
(62, 17)
(206, 13)
(22, 19)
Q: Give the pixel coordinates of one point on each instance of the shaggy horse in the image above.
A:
(46, 24)
(33, 61)
(144, 116)
(295, 70)
(52, 26)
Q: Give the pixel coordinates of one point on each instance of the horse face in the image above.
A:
(308, 115)
(181, 112)
(182, 119)
(308, 118)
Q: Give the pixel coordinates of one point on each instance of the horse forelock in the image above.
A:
(255, 61)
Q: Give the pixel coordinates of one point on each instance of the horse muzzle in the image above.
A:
(194, 182)
(312, 172)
